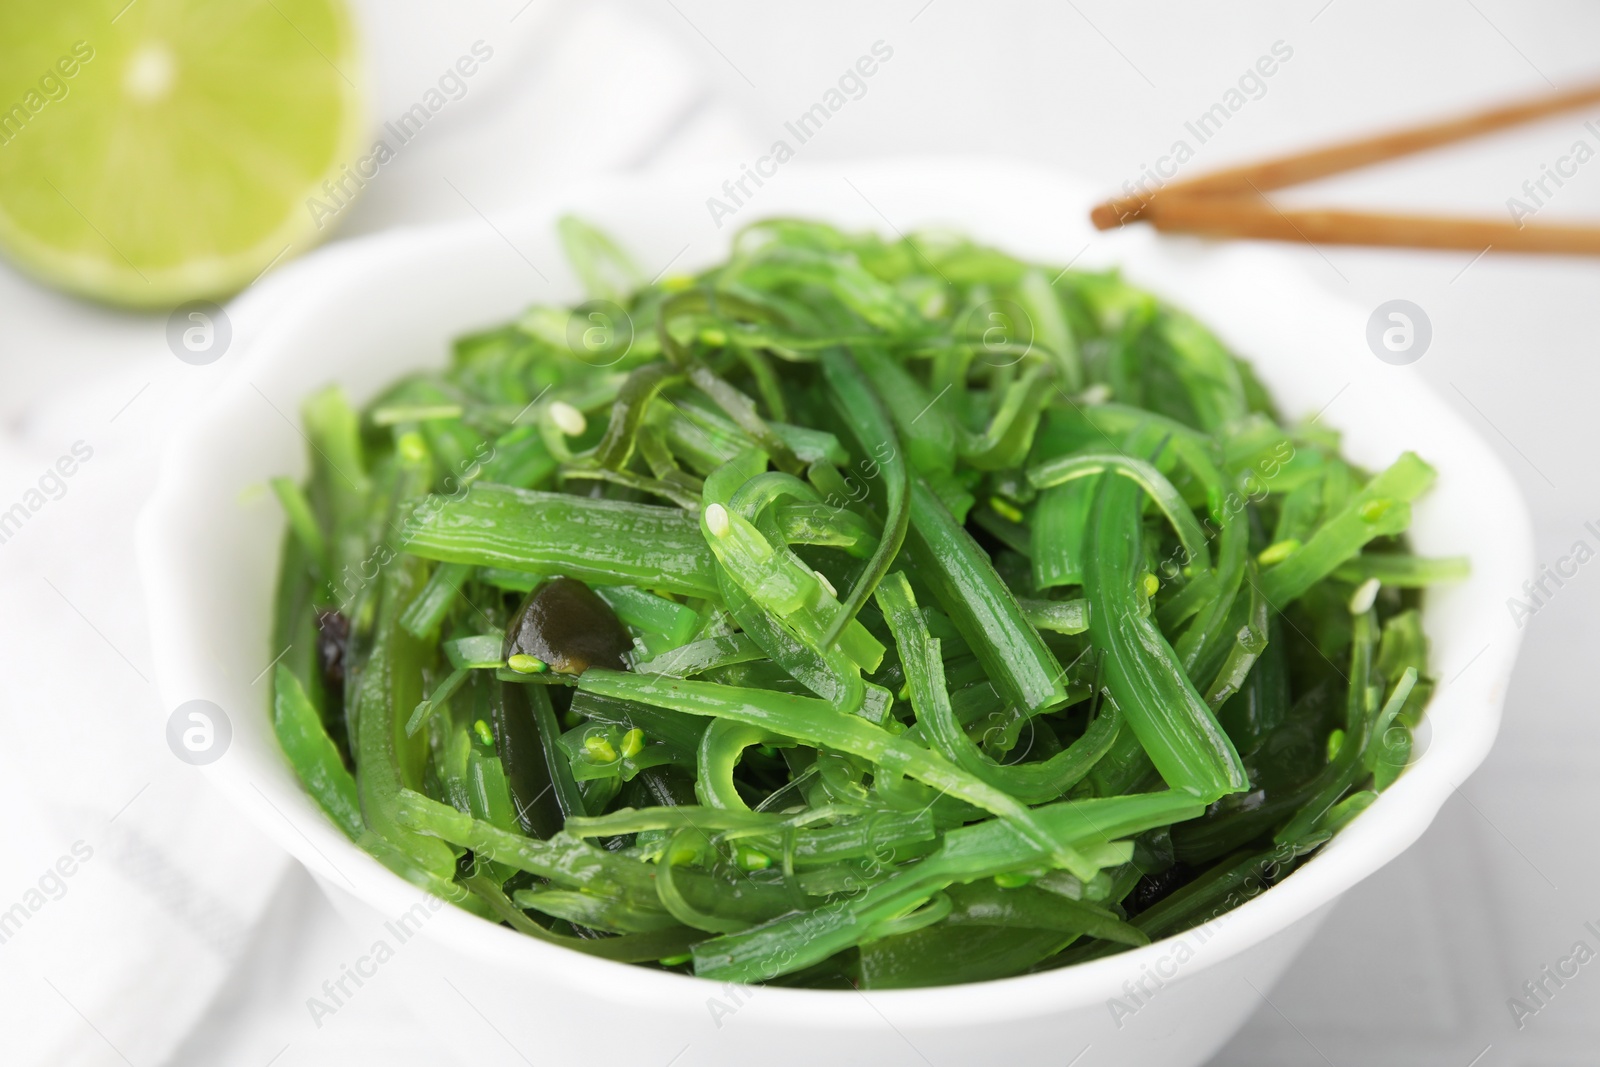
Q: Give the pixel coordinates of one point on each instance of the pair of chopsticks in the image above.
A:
(1233, 203)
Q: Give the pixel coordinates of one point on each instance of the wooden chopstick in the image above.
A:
(1334, 159)
(1248, 217)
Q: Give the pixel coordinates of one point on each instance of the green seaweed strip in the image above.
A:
(1060, 528)
(863, 410)
(313, 754)
(1032, 783)
(1379, 509)
(1161, 706)
(602, 541)
(423, 616)
(982, 606)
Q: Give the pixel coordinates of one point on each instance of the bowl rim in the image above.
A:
(294, 822)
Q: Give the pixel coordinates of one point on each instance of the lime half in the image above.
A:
(160, 150)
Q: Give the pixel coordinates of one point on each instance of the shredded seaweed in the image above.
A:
(980, 623)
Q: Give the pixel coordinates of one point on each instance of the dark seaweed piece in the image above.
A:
(565, 625)
(333, 638)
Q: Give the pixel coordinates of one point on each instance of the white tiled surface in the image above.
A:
(1417, 965)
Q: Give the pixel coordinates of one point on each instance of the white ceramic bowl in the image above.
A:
(362, 312)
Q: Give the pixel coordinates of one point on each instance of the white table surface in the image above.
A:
(1417, 964)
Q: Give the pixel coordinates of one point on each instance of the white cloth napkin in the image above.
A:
(129, 891)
